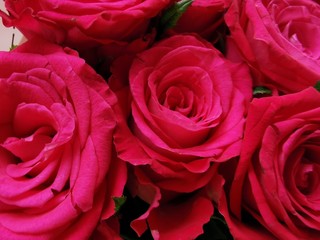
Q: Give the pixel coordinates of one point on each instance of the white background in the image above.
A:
(6, 34)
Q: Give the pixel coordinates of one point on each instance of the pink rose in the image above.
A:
(57, 179)
(203, 17)
(277, 179)
(278, 38)
(187, 112)
(83, 25)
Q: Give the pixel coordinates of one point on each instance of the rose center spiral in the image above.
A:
(31, 129)
(306, 178)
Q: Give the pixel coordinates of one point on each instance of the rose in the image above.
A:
(279, 39)
(276, 181)
(84, 26)
(187, 111)
(56, 173)
(202, 17)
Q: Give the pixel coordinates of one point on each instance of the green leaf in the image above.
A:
(216, 229)
(261, 91)
(219, 219)
(13, 47)
(119, 201)
(173, 14)
(317, 86)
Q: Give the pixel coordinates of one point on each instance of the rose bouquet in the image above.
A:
(161, 119)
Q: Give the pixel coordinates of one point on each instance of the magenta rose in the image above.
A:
(202, 17)
(279, 39)
(83, 25)
(277, 178)
(188, 107)
(57, 178)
